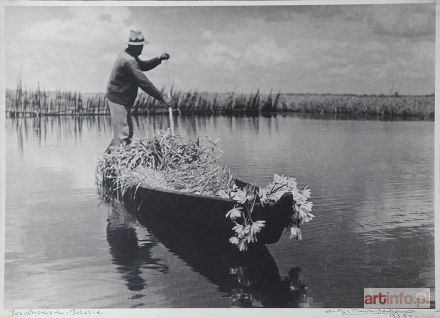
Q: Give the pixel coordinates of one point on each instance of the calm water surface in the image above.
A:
(373, 191)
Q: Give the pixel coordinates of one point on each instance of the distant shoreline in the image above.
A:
(22, 102)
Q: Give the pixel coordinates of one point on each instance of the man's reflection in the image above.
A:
(127, 251)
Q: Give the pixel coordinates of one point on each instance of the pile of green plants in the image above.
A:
(166, 162)
(176, 163)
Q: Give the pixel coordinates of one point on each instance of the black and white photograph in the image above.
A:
(219, 155)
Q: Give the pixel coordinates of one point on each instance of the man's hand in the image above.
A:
(164, 56)
(168, 101)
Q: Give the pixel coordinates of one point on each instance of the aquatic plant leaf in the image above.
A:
(223, 194)
(280, 179)
(250, 196)
(295, 232)
(241, 196)
(307, 206)
(262, 191)
(242, 245)
(277, 195)
(256, 227)
(238, 228)
(306, 192)
(270, 186)
(305, 216)
(234, 240)
(247, 229)
(292, 184)
(262, 194)
(234, 213)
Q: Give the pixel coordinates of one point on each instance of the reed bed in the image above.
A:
(386, 106)
(24, 102)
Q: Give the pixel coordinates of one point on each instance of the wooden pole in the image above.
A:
(170, 113)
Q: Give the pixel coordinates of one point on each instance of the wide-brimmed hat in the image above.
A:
(135, 37)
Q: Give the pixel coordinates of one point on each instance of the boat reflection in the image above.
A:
(248, 279)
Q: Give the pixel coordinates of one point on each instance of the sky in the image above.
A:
(360, 49)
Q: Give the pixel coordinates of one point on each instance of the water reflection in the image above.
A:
(248, 279)
(39, 129)
(44, 129)
(373, 189)
(128, 252)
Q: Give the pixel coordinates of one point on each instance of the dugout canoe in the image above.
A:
(203, 213)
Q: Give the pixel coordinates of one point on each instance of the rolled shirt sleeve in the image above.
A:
(136, 69)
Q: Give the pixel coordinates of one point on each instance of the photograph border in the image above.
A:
(212, 312)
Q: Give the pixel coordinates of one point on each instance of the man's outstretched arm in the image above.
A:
(150, 64)
(143, 82)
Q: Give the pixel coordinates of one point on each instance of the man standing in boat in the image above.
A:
(125, 79)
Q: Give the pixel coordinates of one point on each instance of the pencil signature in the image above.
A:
(54, 312)
(391, 313)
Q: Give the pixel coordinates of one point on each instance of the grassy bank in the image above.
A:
(38, 102)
